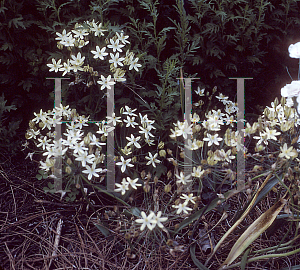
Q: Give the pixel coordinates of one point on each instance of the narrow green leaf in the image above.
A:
(195, 260)
(102, 229)
(244, 259)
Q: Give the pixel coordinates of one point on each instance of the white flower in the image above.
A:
(77, 60)
(147, 221)
(62, 36)
(133, 182)
(288, 152)
(212, 139)
(291, 90)
(106, 82)
(84, 157)
(134, 64)
(92, 171)
(200, 92)
(184, 129)
(97, 29)
(182, 207)
(99, 53)
(43, 142)
(197, 172)
(134, 141)
(116, 60)
(294, 50)
(122, 187)
(113, 119)
(129, 111)
(183, 179)
(152, 159)
(188, 198)
(115, 45)
(130, 121)
(271, 134)
(55, 66)
(66, 68)
(124, 163)
(158, 220)
(122, 38)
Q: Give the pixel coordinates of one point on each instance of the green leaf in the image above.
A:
(17, 22)
(244, 259)
(39, 177)
(195, 260)
(102, 229)
(6, 46)
(27, 85)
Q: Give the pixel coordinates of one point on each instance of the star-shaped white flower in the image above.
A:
(122, 187)
(106, 82)
(55, 66)
(147, 221)
(116, 59)
(152, 159)
(92, 171)
(212, 139)
(115, 45)
(124, 163)
(99, 53)
(288, 152)
(182, 207)
(133, 182)
(133, 141)
(183, 179)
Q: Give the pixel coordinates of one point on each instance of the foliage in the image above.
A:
(8, 128)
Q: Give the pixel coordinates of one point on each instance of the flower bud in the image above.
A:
(59, 46)
(283, 101)
(68, 170)
(167, 188)
(259, 148)
(162, 153)
(161, 145)
(31, 124)
(170, 152)
(69, 161)
(276, 102)
(87, 140)
(146, 187)
(41, 124)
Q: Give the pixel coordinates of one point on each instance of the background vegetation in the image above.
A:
(213, 40)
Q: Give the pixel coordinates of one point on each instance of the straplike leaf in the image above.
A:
(254, 231)
(253, 201)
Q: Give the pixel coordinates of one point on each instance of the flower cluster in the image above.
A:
(84, 151)
(293, 89)
(215, 120)
(151, 220)
(110, 50)
(276, 120)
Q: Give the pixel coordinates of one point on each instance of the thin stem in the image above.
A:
(299, 70)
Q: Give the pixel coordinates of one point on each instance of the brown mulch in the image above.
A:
(29, 220)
